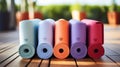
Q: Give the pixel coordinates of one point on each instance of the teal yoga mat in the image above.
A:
(27, 35)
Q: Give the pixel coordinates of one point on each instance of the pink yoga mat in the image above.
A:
(95, 38)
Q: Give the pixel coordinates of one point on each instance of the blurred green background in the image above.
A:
(27, 8)
(64, 11)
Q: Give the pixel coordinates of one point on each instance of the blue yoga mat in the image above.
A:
(45, 39)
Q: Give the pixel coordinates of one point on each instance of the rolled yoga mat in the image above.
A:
(61, 47)
(27, 38)
(45, 46)
(95, 38)
(78, 39)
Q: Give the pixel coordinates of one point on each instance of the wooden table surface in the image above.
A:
(9, 55)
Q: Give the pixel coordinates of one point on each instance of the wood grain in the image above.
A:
(8, 53)
(35, 62)
(69, 62)
(115, 59)
(105, 62)
(19, 62)
(6, 62)
(86, 62)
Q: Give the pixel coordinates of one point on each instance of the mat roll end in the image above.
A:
(44, 50)
(27, 51)
(95, 51)
(61, 51)
(78, 50)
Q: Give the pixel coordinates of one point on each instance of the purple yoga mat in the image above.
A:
(78, 39)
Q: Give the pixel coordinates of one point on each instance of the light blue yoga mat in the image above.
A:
(45, 39)
(27, 35)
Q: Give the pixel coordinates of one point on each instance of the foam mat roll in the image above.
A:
(78, 39)
(27, 39)
(45, 38)
(95, 38)
(95, 31)
(61, 47)
(95, 51)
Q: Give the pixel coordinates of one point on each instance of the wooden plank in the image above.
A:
(105, 62)
(7, 44)
(19, 62)
(8, 53)
(69, 62)
(115, 59)
(108, 51)
(86, 62)
(45, 63)
(35, 62)
(114, 47)
(6, 62)
(7, 48)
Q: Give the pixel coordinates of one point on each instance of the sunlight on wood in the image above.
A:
(86, 63)
(63, 61)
